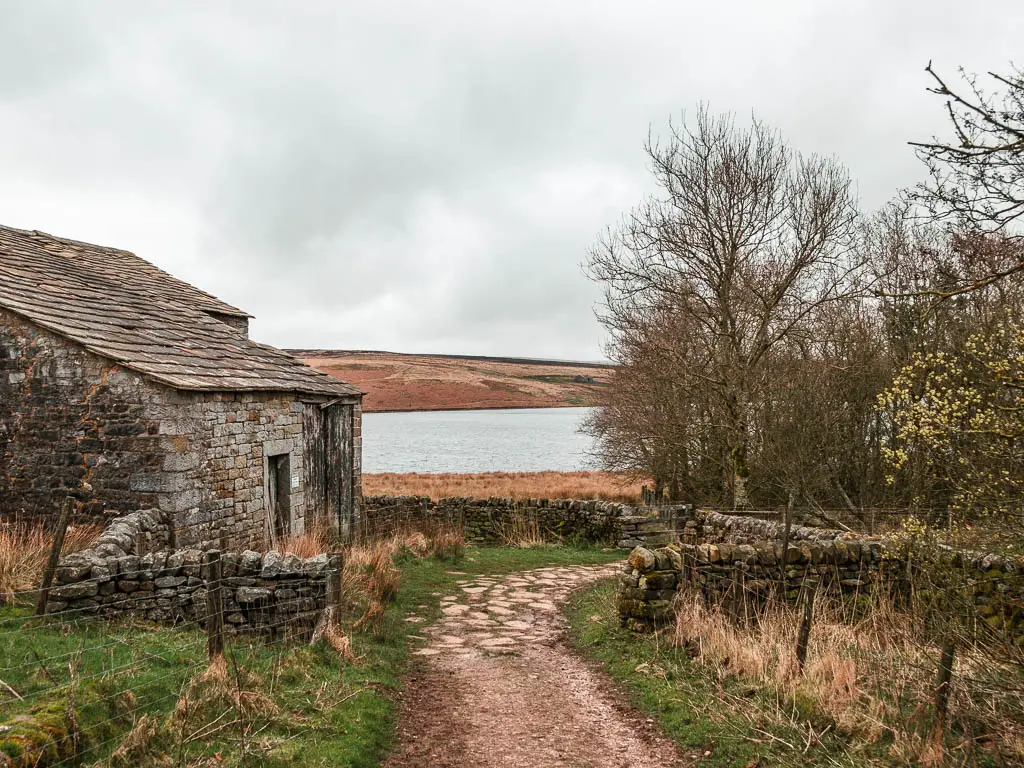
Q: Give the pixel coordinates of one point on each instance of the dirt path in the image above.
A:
(501, 688)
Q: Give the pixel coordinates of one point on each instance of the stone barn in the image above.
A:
(128, 389)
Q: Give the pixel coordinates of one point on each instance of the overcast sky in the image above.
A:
(427, 176)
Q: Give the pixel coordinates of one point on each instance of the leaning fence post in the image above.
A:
(214, 605)
(805, 625)
(51, 566)
(337, 564)
(943, 680)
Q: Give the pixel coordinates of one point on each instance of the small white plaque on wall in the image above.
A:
(295, 481)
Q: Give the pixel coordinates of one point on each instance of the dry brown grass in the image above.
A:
(872, 677)
(24, 550)
(370, 580)
(522, 531)
(448, 543)
(216, 691)
(313, 542)
(606, 486)
(340, 641)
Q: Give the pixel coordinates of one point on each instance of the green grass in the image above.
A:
(329, 712)
(737, 723)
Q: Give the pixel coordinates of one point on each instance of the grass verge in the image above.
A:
(125, 693)
(718, 719)
(733, 694)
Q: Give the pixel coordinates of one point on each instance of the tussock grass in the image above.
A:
(521, 530)
(24, 550)
(605, 486)
(220, 688)
(731, 693)
(313, 542)
(371, 579)
(871, 678)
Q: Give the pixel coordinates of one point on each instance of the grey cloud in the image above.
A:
(428, 175)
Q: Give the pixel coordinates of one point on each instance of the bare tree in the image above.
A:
(748, 239)
(977, 179)
(655, 418)
(819, 434)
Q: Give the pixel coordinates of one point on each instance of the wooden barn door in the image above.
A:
(327, 434)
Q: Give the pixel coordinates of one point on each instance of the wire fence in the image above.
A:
(74, 685)
(928, 664)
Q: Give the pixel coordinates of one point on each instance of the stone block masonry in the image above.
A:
(64, 415)
(73, 423)
(264, 594)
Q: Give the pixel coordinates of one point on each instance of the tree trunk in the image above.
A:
(740, 499)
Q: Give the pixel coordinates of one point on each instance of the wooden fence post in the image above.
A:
(214, 605)
(805, 624)
(334, 596)
(51, 565)
(787, 524)
(734, 607)
(943, 679)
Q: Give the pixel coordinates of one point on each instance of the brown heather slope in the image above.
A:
(401, 382)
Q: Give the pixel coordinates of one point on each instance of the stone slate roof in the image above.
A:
(122, 307)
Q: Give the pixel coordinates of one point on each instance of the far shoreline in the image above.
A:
(478, 408)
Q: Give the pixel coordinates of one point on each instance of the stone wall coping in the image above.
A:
(90, 565)
(122, 535)
(501, 501)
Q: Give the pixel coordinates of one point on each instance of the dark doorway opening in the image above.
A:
(279, 494)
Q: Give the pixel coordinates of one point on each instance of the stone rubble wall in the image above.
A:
(647, 587)
(64, 415)
(137, 533)
(485, 520)
(751, 572)
(262, 593)
(739, 561)
(704, 526)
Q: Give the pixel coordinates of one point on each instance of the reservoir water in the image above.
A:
(519, 440)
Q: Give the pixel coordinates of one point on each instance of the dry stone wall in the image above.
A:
(738, 562)
(263, 594)
(647, 586)
(490, 521)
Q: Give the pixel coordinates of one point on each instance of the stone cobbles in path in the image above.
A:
(504, 616)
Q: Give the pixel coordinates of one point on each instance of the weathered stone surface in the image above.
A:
(169, 582)
(560, 519)
(69, 592)
(316, 565)
(248, 595)
(717, 550)
(642, 559)
(162, 589)
(272, 565)
(249, 563)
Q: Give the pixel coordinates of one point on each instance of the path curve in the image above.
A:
(502, 689)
